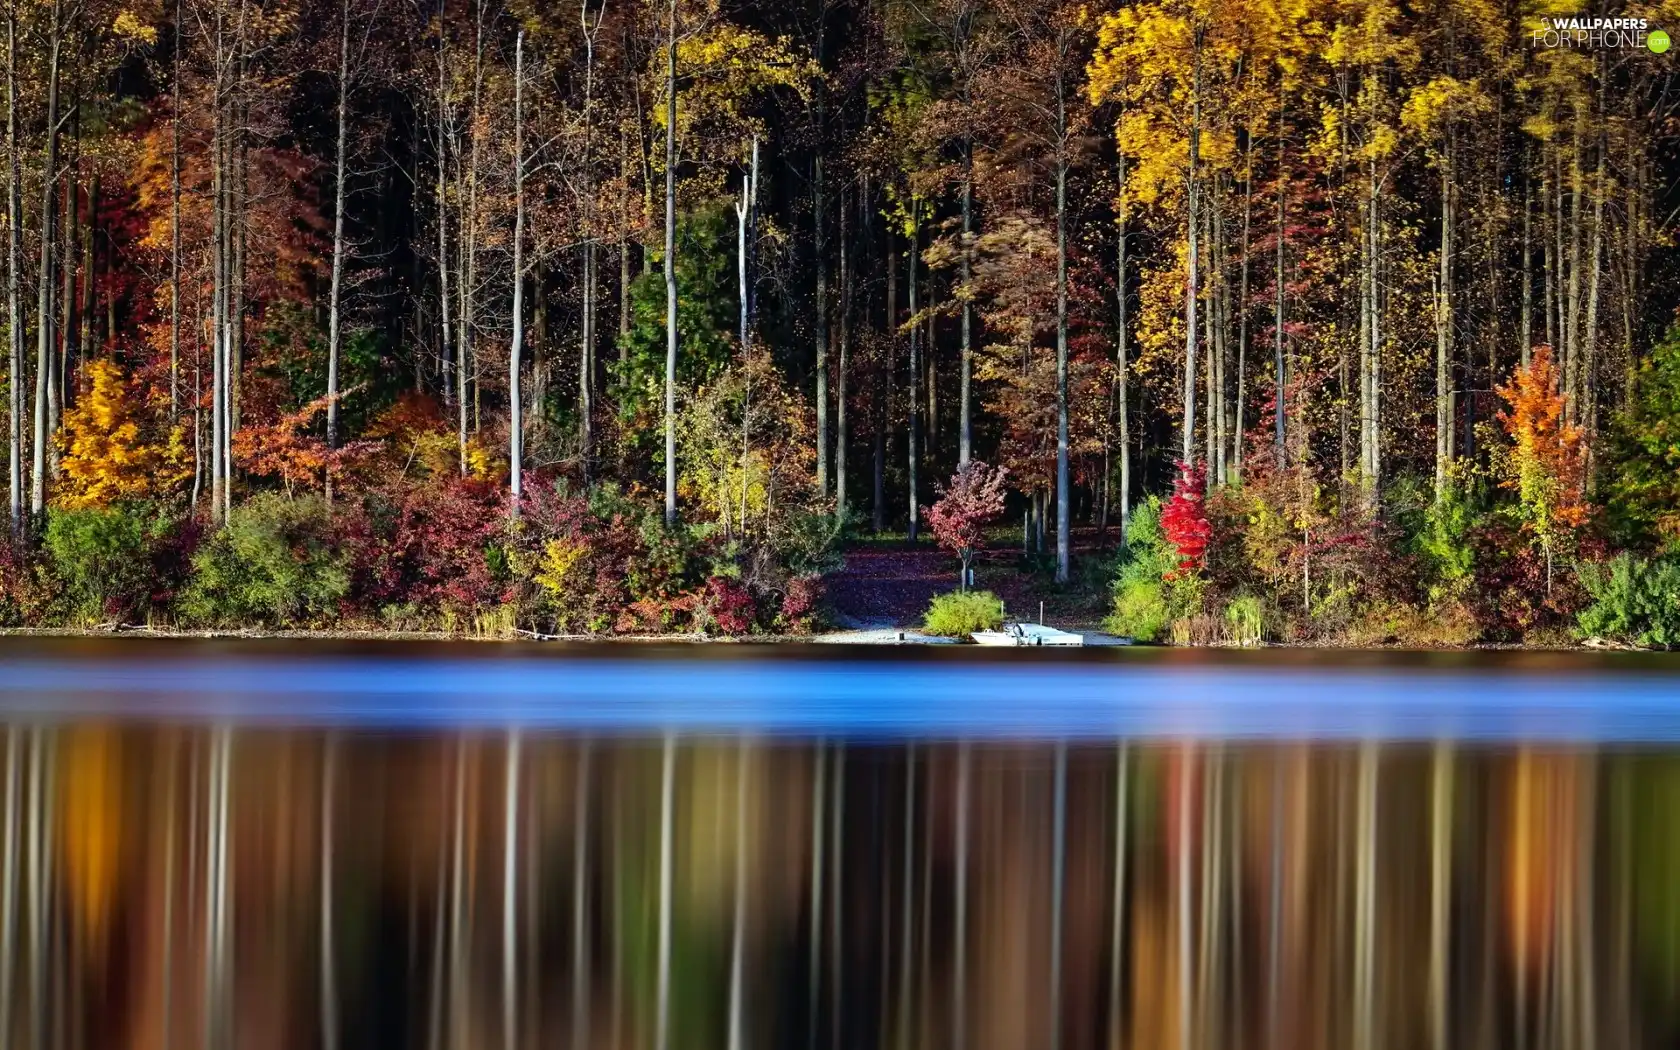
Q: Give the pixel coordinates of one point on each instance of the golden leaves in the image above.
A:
(106, 457)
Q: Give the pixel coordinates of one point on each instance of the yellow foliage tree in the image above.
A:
(106, 454)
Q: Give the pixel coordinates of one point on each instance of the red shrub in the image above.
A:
(800, 605)
(432, 544)
(726, 607)
(1184, 518)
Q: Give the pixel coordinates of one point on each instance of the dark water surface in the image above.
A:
(300, 845)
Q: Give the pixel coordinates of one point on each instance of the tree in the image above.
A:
(14, 310)
(958, 518)
(341, 152)
(1546, 464)
(516, 424)
(58, 23)
(105, 454)
(1641, 473)
(1184, 518)
(670, 266)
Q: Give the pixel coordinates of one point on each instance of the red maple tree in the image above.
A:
(1184, 518)
(973, 498)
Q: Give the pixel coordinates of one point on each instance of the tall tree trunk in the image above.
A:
(1560, 259)
(883, 396)
(466, 345)
(1548, 244)
(44, 294)
(965, 450)
(624, 251)
(1212, 436)
(1526, 346)
(1187, 444)
(1242, 318)
(1064, 494)
(842, 432)
(1280, 405)
(1595, 251)
(671, 268)
(335, 295)
(591, 306)
(238, 234)
(1370, 432)
(930, 372)
(821, 247)
(1443, 326)
(743, 263)
(1122, 368)
(175, 223)
(1214, 325)
(447, 366)
(516, 421)
(90, 340)
(14, 306)
(70, 328)
(1572, 317)
(218, 265)
(913, 422)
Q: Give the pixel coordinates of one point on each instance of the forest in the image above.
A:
(1341, 321)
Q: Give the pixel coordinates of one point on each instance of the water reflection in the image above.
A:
(173, 887)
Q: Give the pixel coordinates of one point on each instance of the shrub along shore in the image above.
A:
(445, 557)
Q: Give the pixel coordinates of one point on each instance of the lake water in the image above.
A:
(298, 844)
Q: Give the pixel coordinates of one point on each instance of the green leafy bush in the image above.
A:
(99, 558)
(1145, 602)
(959, 614)
(1633, 600)
(1641, 465)
(1445, 543)
(1245, 620)
(275, 562)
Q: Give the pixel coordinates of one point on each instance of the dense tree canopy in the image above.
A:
(1095, 245)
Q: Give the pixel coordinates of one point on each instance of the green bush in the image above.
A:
(1444, 542)
(1245, 620)
(273, 563)
(959, 614)
(100, 560)
(1145, 604)
(1633, 600)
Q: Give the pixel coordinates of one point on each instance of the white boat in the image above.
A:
(1028, 634)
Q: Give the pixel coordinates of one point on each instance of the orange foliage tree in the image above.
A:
(1546, 464)
(285, 449)
(106, 454)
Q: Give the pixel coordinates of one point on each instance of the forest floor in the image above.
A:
(889, 583)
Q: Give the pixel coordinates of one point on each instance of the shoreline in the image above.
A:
(883, 635)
